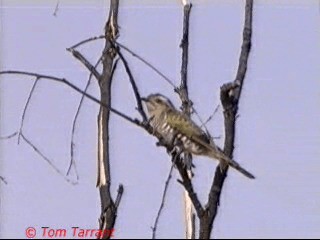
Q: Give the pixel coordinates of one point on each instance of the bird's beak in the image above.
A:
(144, 99)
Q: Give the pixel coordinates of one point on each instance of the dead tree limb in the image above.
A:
(230, 96)
(186, 106)
(108, 207)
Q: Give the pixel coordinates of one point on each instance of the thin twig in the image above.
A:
(114, 67)
(129, 51)
(90, 67)
(85, 62)
(56, 9)
(144, 125)
(157, 71)
(26, 107)
(72, 162)
(86, 41)
(3, 180)
(35, 148)
(9, 136)
(147, 63)
(47, 159)
(210, 117)
(21, 127)
(203, 124)
(200, 120)
(166, 186)
(136, 122)
(69, 84)
(119, 196)
(134, 86)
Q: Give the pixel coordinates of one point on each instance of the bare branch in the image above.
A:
(56, 9)
(166, 185)
(157, 71)
(136, 122)
(183, 90)
(3, 180)
(85, 62)
(129, 51)
(119, 196)
(26, 107)
(9, 136)
(134, 86)
(210, 117)
(162, 75)
(77, 89)
(147, 63)
(230, 95)
(20, 134)
(203, 124)
(47, 159)
(86, 41)
(186, 107)
(108, 206)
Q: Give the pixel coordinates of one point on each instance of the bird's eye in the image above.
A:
(158, 101)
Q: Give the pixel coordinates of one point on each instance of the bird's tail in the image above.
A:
(226, 160)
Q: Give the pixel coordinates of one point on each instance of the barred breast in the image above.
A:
(171, 135)
(161, 126)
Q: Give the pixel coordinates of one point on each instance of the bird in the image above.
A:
(176, 127)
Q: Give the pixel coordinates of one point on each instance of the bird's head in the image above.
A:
(157, 103)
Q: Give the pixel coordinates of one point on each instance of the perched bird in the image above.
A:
(172, 125)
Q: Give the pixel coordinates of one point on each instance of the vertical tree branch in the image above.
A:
(230, 96)
(108, 207)
(183, 89)
(186, 108)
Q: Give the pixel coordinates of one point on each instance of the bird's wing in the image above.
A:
(186, 126)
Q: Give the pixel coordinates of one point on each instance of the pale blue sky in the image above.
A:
(278, 131)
